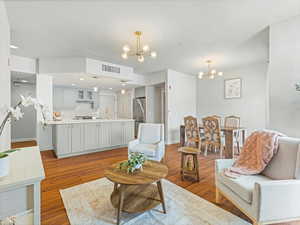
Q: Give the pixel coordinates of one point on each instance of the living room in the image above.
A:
(131, 112)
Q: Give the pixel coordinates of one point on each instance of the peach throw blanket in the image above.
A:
(258, 150)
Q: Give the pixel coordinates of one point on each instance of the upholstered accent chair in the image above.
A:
(192, 133)
(212, 132)
(150, 141)
(270, 197)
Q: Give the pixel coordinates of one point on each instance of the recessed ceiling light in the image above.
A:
(123, 91)
(13, 47)
(110, 88)
(73, 84)
(81, 78)
(24, 81)
(95, 89)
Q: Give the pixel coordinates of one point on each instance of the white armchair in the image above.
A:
(150, 141)
(270, 197)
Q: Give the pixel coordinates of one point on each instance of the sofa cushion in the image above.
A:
(243, 186)
(150, 133)
(147, 149)
(285, 164)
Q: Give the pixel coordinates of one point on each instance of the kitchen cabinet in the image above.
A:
(91, 136)
(117, 133)
(63, 139)
(77, 136)
(85, 137)
(104, 135)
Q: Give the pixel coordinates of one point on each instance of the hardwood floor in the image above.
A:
(68, 172)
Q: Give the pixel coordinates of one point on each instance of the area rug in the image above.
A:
(89, 204)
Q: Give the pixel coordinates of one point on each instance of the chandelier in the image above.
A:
(139, 52)
(211, 73)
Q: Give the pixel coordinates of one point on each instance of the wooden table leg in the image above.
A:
(115, 186)
(243, 136)
(182, 165)
(121, 199)
(161, 194)
(196, 164)
(228, 144)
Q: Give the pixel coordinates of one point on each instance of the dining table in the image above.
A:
(228, 134)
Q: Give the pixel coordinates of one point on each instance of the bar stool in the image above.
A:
(189, 162)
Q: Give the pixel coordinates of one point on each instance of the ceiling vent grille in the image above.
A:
(111, 69)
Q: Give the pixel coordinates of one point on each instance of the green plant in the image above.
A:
(135, 161)
(6, 153)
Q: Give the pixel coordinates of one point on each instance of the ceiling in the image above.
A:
(184, 33)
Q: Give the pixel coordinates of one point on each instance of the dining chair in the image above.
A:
(219, 118)
(212, 132)
(234, 122)
(193, 138)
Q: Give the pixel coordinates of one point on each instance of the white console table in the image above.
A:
(20, 191)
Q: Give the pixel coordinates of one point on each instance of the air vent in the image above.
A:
(111, 69)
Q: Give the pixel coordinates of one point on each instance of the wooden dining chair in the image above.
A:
(212, 132)
(193, 138)
(234, 122)
(219, 118)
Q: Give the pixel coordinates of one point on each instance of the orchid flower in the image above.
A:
(16, 112)
(28, 101)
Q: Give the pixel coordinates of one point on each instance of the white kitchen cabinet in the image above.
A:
(85, 137)
(117, 133)
(91, 136)
(104, 135)
(63, 139)
(128, 132)
(77, 136)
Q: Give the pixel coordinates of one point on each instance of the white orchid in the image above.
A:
(16, 112)
(27, 101)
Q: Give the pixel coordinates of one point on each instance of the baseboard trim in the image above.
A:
(22, 139)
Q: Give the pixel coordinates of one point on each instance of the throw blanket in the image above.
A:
(258, 150)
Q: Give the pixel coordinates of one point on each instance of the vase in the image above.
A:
(4, 166)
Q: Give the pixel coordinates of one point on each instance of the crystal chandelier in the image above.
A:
(139, 52)
(211, 73)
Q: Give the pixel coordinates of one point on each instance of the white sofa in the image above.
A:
(150, 141)
(270, 197)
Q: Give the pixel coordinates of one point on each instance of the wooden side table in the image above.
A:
(135, 192)
(193, 170)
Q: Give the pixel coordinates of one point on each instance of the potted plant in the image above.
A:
(15, 112)
(135, 162)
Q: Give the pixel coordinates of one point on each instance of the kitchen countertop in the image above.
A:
(52, 122)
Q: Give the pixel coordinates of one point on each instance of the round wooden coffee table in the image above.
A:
(135, 192)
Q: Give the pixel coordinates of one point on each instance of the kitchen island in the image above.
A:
(76, 137)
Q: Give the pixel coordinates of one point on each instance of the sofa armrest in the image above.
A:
(133, 143)
(221, 164)
(277, 200)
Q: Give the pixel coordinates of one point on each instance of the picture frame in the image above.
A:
(233, 88)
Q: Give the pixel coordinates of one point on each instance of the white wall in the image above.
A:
(284, 72)
(44, 94)
(4, 75)
(181, 101)
(107, 104)
(251, 107)
(150, 104)
(25, 128)
(139, 92)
